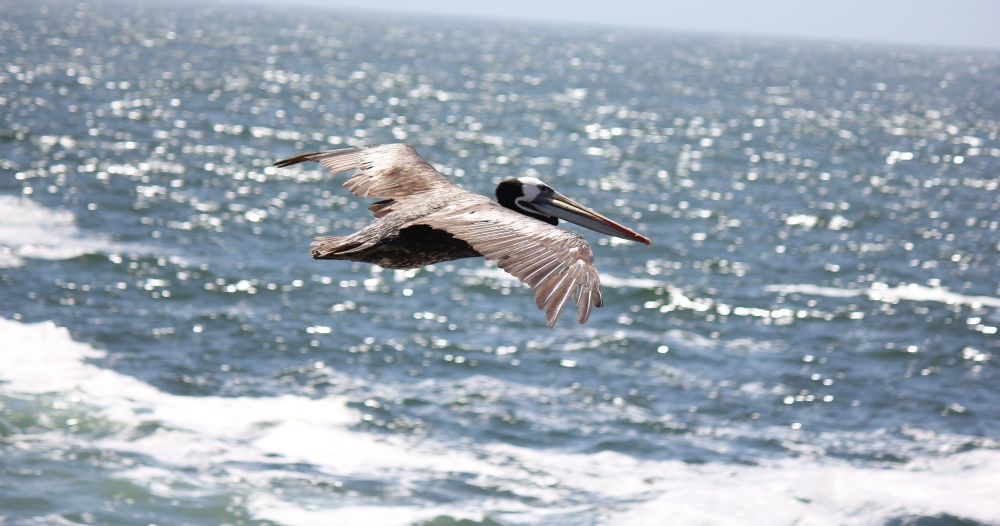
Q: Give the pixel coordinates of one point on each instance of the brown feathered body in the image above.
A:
(423, 218)
(398, 239)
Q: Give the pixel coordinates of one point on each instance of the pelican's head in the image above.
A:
(536, 199)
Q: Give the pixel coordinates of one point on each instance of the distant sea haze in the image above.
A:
(814, 325)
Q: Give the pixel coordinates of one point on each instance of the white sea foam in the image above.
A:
(267, 507)
(30, 230)
(607, 280)
(823, 493)
(814, 290)
(912, 292)
(638, 283)
(213, 444)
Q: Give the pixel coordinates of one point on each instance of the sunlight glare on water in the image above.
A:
(814, 325)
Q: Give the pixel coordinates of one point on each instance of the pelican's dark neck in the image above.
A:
(508, 191)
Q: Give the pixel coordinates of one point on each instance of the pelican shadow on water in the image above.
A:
(424, 218)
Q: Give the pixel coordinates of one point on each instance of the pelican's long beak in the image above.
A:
(565, 208)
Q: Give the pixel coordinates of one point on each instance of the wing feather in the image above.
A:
(384, 171)
(541, 273)
(585, 298)
(561, 294)
(525, 260)
(557, 264)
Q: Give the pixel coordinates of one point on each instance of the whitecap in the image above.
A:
(881, 292)
(814, 290)
(213, 445)
(607, 280)
(795, 491)
(636, 283)
(29, 230)
(267, 507)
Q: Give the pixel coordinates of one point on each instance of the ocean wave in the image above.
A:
(248, 446)
(29, 230)
(881, 292)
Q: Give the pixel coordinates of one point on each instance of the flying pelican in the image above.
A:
(424, 218)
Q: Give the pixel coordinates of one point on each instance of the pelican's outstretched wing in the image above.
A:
(557, 264)
(384, 171)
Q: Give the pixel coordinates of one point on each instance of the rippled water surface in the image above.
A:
(814, 326)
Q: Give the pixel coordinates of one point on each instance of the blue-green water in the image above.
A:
(811, 338)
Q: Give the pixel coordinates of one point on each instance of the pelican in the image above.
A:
(424, 218)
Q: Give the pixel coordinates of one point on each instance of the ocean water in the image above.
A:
(811, 339)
